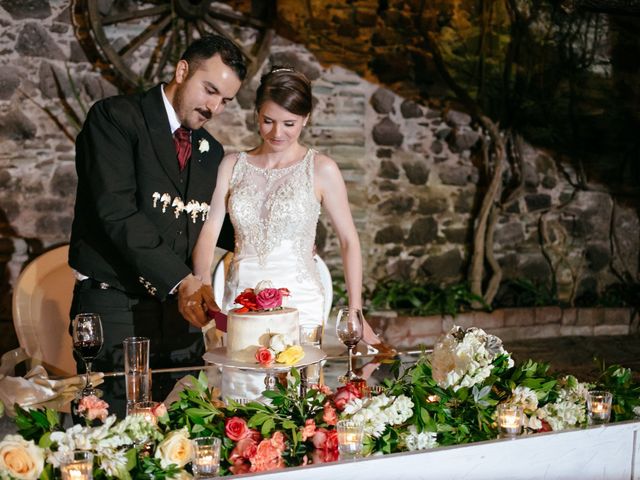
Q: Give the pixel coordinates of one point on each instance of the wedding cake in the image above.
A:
(250, 330)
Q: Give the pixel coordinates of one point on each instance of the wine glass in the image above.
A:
(349, 326)
(87, 341)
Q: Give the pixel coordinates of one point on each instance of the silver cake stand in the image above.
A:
(218, 356)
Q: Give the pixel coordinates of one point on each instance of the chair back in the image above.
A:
(222, 267)
(41, 303)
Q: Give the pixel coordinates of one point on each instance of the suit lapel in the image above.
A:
(199, 159)
(158, 125)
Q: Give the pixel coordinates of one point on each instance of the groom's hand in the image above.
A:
(194, 298)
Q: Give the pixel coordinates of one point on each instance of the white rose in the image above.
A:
(262, 285)
(279, 342)
(22, 460)
(175, 449)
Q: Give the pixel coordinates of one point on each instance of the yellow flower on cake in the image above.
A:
(176, 448)
(291, 355)
(20, 459)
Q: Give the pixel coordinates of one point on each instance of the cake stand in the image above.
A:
(218, 356)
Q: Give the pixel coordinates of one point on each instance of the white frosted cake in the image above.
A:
(248, 331)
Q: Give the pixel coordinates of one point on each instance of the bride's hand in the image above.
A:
(191, 301)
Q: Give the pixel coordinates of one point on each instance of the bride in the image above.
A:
(274, 194)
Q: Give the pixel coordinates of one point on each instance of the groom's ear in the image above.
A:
(182, 71)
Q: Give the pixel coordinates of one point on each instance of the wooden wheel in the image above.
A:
(136, 43)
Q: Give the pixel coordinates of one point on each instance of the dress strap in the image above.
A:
(239, 168)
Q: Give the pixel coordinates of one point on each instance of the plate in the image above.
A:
(218, 356)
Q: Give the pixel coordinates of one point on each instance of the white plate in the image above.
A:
(218, 356)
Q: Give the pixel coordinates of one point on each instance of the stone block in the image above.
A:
(508, 334)
(387, 132)
(569, 316)
(546, 315)
(617, 316)
(611, 330)
(421, 326)
(572, 330)
(488, 320)
(590, 316)
(543, 331)
(515, 317)
(382, 100)
(464, 320)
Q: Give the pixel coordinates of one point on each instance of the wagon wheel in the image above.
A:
(136, 43)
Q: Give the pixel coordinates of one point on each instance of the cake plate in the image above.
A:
(218, 356)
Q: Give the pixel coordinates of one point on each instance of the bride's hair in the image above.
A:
(287, 88)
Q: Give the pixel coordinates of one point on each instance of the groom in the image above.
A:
(146, 170)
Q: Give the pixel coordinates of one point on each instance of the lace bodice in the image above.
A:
(271, 206)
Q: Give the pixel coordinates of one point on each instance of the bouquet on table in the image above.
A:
(447, 398)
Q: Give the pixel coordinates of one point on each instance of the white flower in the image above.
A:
(176, 448)
(379, 411)
(20, 459)
(279, 342)
(636, 411)
(532, 422)
(420, 441)
(525, 397)
(115, 465)
(203, 145)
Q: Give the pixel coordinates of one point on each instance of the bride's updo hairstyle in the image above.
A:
(287, 88)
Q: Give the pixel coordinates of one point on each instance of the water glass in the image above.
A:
(206, 457)
(599, 406)
(350, 436)
(136, 369)
(77, 465)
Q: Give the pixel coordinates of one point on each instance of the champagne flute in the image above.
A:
(349, 326)
(87, 341)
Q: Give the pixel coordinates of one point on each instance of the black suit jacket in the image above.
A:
(125, 156)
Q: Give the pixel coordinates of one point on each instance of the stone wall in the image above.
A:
(410, 170)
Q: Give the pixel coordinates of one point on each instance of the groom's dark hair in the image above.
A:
(287, 88)
(206, 47)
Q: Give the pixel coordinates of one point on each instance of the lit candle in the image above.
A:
(599, 406)
(509, 420)
(350, 435)
(206, 457)
(77, 465)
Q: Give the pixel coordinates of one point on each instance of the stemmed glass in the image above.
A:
(349, 326)
(87, 341)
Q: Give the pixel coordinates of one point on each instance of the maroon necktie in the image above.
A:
(182, 139)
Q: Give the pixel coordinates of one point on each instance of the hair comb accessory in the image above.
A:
(282, 69)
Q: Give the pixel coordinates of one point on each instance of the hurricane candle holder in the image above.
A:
(206, 457)
(350, 436)
(77, 465)
(598, 406)
(510, 420)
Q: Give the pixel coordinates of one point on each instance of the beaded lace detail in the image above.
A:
(269, 206)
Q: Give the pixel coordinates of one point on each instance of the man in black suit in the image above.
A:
(141, 202)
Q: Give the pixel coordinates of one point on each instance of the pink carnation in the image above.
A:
(268, 454)
(309, 429)
(329, 415)
(93, 408)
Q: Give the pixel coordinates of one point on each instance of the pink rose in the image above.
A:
(345, 394)
(324, 456)
(236, 428)
(255, 434)
(93, 408)
(160, 410)
(277, 440)
(269, 298)
(325, 440)
(329, 415)
(264, 356)
(240, 468)
(267, 457)
(244, 450)
(308, 430)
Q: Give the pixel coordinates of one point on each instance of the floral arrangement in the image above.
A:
(262, 298)
(416, 409)
(281, 350)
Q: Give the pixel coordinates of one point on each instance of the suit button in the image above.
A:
(179, 232)
(181, 180)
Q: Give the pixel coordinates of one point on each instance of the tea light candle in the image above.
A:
(510, 420)
(145, 409)
(350, 436)
(599, 406)
(78, 465)
(206, 457)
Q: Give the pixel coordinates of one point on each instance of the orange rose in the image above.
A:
(236, 428)
(264, 356)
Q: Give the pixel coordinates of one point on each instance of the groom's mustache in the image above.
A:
(205, 113)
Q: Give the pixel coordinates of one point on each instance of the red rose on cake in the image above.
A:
(263, 297)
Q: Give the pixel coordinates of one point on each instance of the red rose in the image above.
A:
(236, 428)
(264, 356)
(546, 427)
(345, 394)
(247, 299)
(326, 440)
(245, 449)
(269, 298)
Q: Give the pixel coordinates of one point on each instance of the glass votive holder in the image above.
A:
(350, 437)
(598, 406)
(206, 457)
(310, 334)
(144, 409)
(510, 420)
(77, 465)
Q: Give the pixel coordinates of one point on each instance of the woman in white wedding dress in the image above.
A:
(274, 194)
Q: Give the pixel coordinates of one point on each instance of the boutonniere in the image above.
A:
(203, 145)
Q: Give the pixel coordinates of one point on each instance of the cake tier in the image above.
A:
(248, 331)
